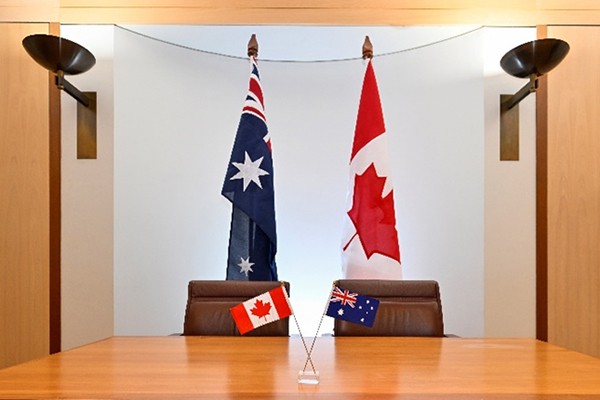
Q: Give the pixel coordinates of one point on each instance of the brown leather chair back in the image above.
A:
(406, 308)
(207, 311)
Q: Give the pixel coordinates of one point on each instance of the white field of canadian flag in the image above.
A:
(261, 310)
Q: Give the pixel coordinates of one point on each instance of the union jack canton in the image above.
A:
(352, 307)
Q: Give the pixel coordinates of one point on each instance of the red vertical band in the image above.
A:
(280, 300)
(241, 318)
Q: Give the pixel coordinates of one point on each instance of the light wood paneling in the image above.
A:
(24, 199)
(326, 12)
(331, 12)
(382, 4)
(29, 10)
(574, 192)
(425, 4)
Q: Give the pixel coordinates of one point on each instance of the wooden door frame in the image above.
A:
(55, 322)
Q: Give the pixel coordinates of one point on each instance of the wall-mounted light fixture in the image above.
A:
(64, 57)
(529, 60)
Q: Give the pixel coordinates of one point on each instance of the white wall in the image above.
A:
(87, 311)
(176, 113)
(509, 199)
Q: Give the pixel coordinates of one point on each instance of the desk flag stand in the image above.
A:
(311, 377)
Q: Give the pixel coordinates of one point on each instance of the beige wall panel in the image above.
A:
(24, 214)
(574, 193)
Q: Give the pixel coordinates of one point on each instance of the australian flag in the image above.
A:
(352, 307)
(249, 186)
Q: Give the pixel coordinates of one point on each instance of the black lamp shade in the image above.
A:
(534, 58)
(59, 54)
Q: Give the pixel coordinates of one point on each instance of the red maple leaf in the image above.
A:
(373, 216)
(260, 309)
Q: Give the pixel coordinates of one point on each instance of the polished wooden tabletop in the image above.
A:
(350, 368)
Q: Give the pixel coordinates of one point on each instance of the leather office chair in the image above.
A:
(207, 310)
(406, 308)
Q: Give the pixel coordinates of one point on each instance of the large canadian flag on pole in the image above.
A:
(370, 248)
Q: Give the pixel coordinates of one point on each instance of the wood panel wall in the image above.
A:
(326, 12)
(24, 199)
(573, 192)
(332, 12)
(29, 10)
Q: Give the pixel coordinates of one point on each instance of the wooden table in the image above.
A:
(350, 368)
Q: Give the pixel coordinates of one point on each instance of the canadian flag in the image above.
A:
(370, 248)
(261, 310)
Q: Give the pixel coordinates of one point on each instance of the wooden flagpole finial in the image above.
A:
(367, 49)
(253, 46)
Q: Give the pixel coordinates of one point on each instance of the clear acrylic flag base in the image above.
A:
(308, 377)
(311, 376)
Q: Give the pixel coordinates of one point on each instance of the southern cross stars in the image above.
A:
(249, 171)
(245, 265)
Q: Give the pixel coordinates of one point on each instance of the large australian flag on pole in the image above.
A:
(249, 186)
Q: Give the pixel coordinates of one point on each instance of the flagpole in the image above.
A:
(253, 47)
(367, 49)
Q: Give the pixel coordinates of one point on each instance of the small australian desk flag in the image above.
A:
(352, 307)
(249, 186)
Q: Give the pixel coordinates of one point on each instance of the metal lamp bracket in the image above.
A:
(509, 120)
(64, 57)
(532, 59)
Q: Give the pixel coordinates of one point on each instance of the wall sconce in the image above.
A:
(529, 60)
(64, 57)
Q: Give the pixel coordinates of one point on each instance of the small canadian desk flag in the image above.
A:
(261, 310)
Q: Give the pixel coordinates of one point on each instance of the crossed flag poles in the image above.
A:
(275, 304)
(265, 308)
